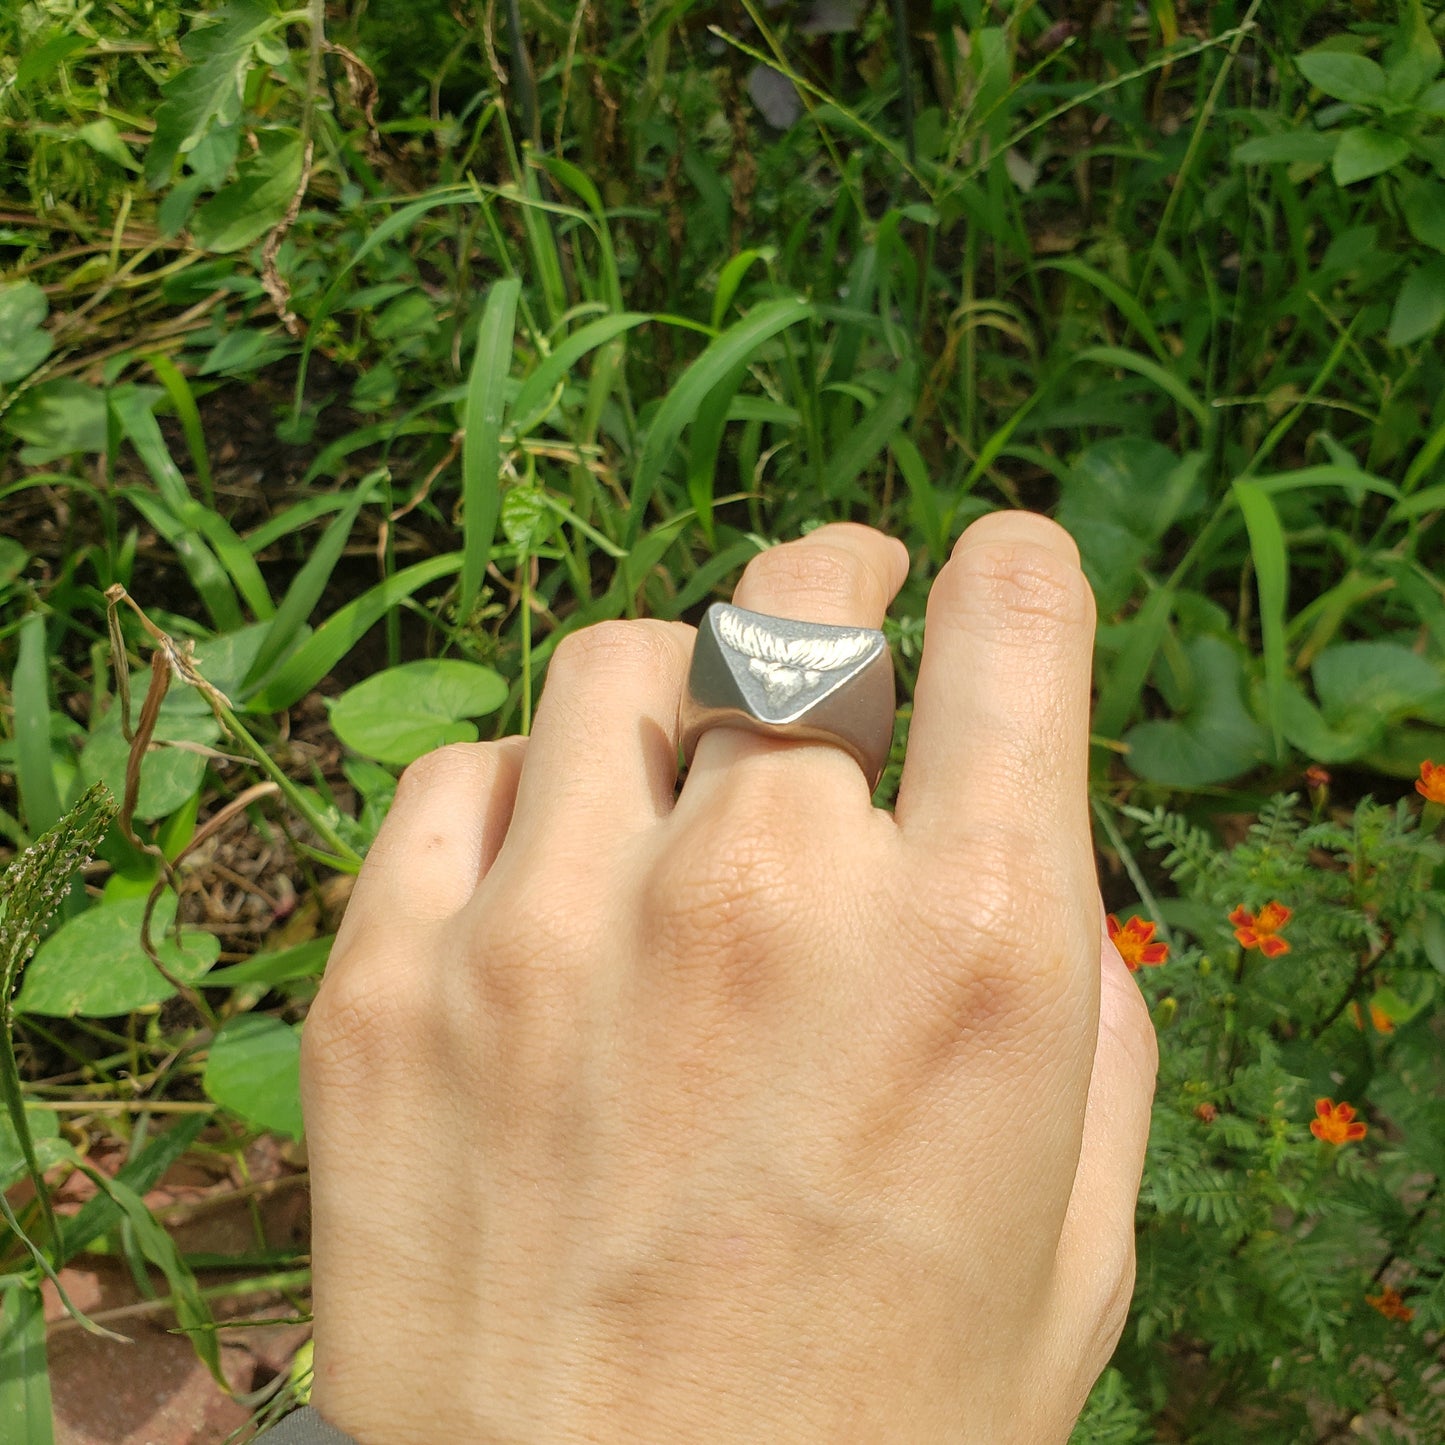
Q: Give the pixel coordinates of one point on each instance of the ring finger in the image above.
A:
(842, 574)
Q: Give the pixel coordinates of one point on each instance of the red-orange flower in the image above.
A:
(1336, 1123)
(1132, 941)
(1382, 1021)
(1391, 1305)
(1431, 783)
(1261, 930)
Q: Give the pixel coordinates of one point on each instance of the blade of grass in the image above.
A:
(482, 443)
(310, 582)
(1123, 301)
(534, 400)
(737, 344)
(26, 1416)
(1271, 574)
(207, 575)
(305, 667)
(1172, 386)
(39, 797)
(189, 416)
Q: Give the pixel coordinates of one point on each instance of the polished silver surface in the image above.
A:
(789, 679)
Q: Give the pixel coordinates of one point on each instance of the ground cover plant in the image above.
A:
(353, 354)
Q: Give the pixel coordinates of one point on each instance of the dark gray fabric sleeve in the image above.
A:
(305, 1427)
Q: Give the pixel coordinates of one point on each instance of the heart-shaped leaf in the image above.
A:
(1214, 738)
(94, 965)
(254, 1070)
(406, 711)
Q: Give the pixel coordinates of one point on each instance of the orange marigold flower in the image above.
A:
(1261, 930)
(1431, 783)
(1391, 1305)
(1206, 1111)
(1132, 941)
(1336, 1123)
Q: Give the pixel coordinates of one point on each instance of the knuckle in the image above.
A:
(361, 1028)
(1014, 579)
(617, 646)
(455, 765)
(817, 576)
(527, 948)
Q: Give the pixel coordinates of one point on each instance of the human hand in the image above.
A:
(761, 1115)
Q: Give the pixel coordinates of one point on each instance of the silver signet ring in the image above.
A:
(786, 679)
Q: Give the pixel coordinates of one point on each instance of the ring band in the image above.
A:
(786, 679)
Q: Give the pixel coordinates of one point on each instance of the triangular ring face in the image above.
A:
(774, 668)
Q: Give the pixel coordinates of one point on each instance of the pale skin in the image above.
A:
(761, 1113)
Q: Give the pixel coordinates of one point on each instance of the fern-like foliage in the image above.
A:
(1264, 1251)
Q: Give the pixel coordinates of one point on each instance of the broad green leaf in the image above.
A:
(482, 435)
(1214, 738)
(94, 965)
(1414, 57)
(208, 90)
(26, 1416)
(256, 200)
(1368, 681)
(254, 1070)
(1420, 306)
(1306, 729)
(24, 341)
(1423, 202)
(1117, 499)
(397, 715)
(1310, 147)
(50, 1148)
(1363, 152)
(59, 418)
(1353, 78)
(168, 775)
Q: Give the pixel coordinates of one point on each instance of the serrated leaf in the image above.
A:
(526, 518)
(1363, 152)
(406, 711)
(209, 90)
(1353, 78)
(256, 200)
(1420, 306)
(254, 1070)
(94, 966)
(24, 341)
